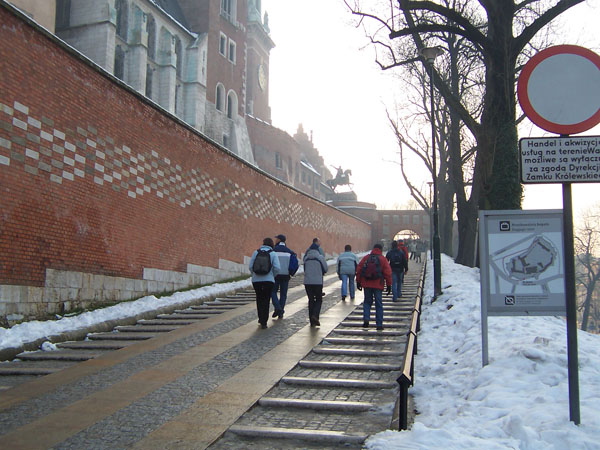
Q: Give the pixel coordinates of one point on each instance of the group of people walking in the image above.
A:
(273, 264)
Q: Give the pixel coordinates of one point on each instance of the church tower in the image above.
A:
(259, 47)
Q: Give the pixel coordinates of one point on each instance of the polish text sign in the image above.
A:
(560, 159)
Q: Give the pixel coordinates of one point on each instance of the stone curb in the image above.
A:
(332, 405)
(334, 437)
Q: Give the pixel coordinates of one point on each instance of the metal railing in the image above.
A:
(406, 378)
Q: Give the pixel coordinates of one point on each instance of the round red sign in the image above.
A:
(559, 89)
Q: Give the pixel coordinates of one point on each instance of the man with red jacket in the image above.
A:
(373, 273)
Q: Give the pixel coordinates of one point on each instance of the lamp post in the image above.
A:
(430, 53)
(430, 183)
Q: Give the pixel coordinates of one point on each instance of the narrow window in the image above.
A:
(277, 160)
(232, 49)
(149, 76)
(231, 105)
(220, 97)
(63, 14)
(223, 45)
(121, 7)
(151, 28)
(120, 63)
(178, 57)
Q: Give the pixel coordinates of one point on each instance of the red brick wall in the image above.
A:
(95, 179)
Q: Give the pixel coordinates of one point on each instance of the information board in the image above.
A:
(522, 269)
(560, 159)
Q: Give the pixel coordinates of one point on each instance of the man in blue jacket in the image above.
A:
(289, 264)
(346, 270)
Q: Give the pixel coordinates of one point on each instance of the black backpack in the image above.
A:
(371, 270)
(397, 259)
(262, 262)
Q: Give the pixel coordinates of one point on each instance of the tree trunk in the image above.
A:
(500, 178)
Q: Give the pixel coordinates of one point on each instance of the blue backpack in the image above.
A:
(294, 264)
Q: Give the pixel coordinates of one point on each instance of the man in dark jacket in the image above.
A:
(287, 260)
(372, 273)
(399, 264)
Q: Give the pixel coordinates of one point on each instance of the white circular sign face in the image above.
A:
(559, 89)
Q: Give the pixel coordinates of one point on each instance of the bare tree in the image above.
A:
(587, 246)
(498, 34)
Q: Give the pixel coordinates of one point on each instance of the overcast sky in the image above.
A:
(323, 75)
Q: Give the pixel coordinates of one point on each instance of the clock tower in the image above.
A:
(257, 75)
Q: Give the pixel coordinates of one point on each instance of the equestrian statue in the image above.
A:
(342, 177)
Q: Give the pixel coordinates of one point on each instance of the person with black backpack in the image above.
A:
(372, 274)
(399, 264)
(264, 266)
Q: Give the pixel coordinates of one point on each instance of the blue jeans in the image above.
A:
(347, 280)
(279, 303)
(397, 280)
(371, 294)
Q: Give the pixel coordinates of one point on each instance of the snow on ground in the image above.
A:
(31, 331)
(519, 401)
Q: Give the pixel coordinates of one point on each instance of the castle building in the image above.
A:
(204, 61)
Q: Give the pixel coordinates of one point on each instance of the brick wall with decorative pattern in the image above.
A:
(104, 196)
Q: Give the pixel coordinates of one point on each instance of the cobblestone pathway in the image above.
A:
(185, 387)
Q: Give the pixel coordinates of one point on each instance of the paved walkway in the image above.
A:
(182, 389)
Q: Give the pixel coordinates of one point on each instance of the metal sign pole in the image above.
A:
(569, 253)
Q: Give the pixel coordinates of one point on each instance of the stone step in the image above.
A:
(327, 350)
(165, 322)
(38, 371)
(346, 365)
(199, 310)
(386, 318)
(146, 328)
(191, 317)
(386, 324)
(121, 336)
(59, 355)
(339, 382)
(329, 437)
(368, 332)
(358, 341)
(328, 405)
(96, 345)
(215, 307)
(211, 312)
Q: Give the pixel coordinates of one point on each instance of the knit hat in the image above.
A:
(281, 237)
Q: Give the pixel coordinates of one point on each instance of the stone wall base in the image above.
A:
(66, 291)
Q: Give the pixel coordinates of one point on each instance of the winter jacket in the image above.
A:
(346, 263)
(386, 271)
(404, 266)
(314, 266)
(284, 254)
(404, 249)
(275, 267)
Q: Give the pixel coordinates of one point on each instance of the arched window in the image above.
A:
(231, 105)
(119, 63)
(220, 97)
(151, 28)
(149, 80)
(178, 57)
(122, 19)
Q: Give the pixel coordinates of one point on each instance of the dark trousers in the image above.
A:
(315, 299)
(263, 291)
